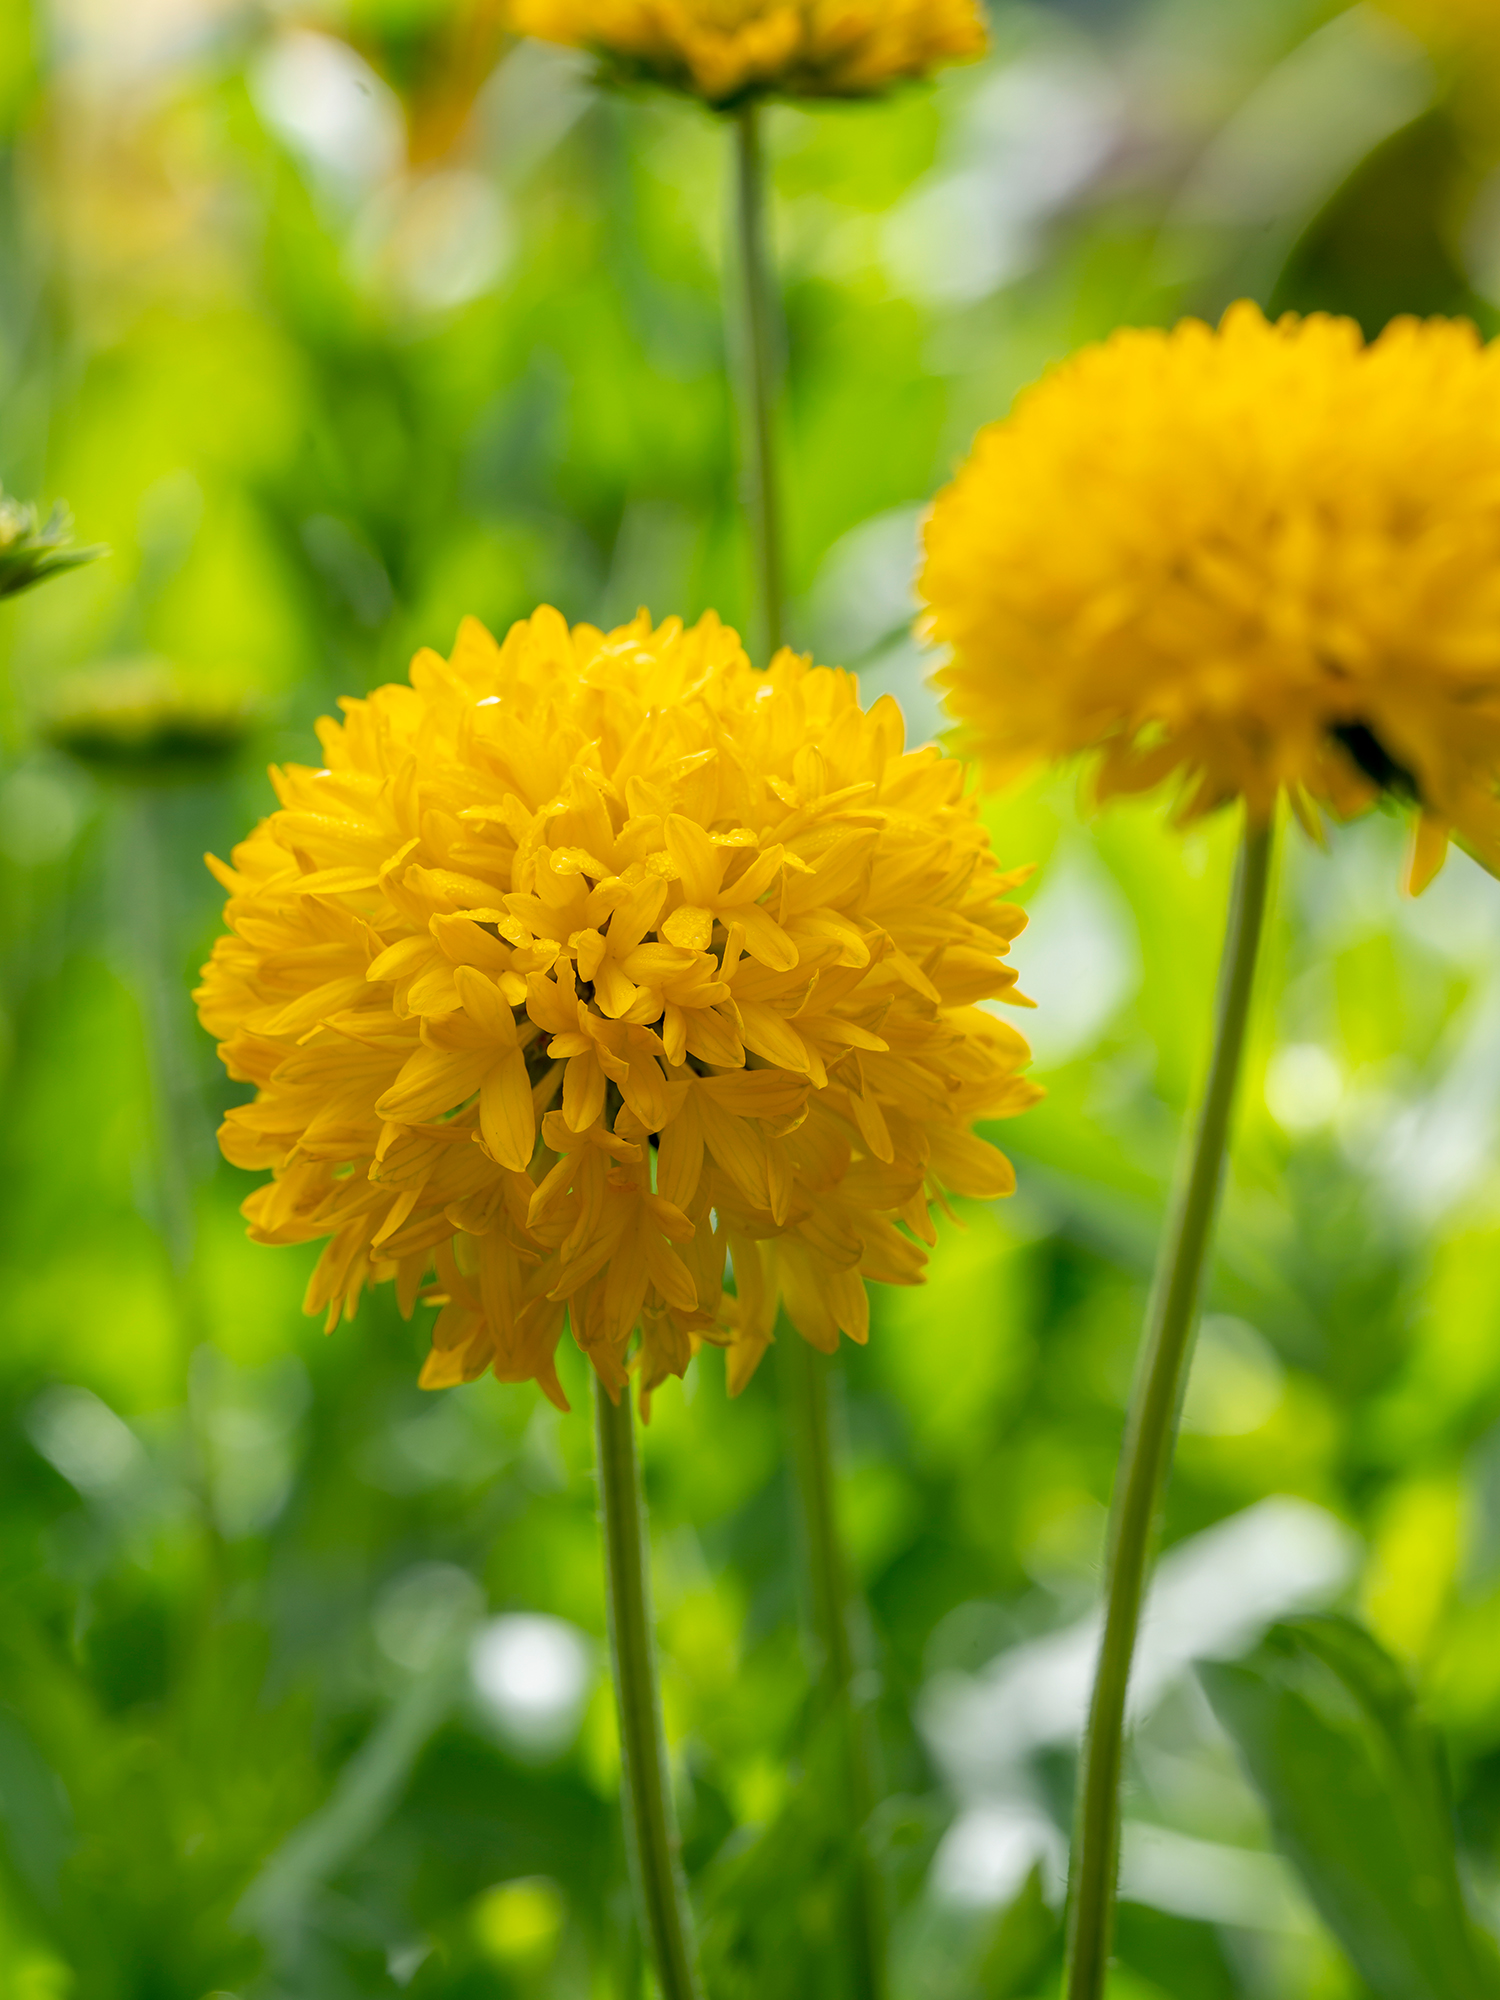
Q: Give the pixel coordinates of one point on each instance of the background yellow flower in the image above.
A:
(589, 959)
(727, 50)
(1264, 558)
(1450, 26)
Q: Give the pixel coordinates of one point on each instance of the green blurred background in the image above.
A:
(338, 323)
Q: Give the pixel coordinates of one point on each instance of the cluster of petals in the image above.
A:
(588, 962)
(1263, 560)
(726, 51)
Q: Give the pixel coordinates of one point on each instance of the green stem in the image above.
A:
(1150, 1432)
(757, 297)
(803, 1372)
(804, 1378)
(804, 1384)
(650, 1823)
(163, 1003)
(142, 886)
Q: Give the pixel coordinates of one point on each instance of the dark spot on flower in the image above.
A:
(1377, 763)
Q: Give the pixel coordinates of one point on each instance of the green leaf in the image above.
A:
(1352, 1777)
(36, 1820)
(1020, 1948)
(776, 1905)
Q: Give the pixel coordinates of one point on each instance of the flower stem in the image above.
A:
(650, 1823)
(804, 1379)
(139, 854)
(1150, 1432)
(756, 298)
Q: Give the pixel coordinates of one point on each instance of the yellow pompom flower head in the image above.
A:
(586, 960)
(1262, 560)
(728, 51)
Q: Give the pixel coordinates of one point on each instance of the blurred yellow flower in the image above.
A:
(1450, 26)
(1463, 38)
(1263, 559)
(725, 51)
(588, 959)
(148, 721)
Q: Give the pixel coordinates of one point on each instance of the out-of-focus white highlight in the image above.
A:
(81, 1436)
(1035, 134)
(1209, 1880)
(532, 1674)
(1304, 1087)
(331, 108)
(990, 1850)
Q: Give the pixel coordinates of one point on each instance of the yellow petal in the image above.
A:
(700, 865)
(765, 940)
(1428, 852)
(506, 1116)
(689, 928)
(771, 1035)
(583, 1092)
(485, 1005)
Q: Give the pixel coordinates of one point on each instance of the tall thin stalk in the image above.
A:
(803, 1373)
(1150, 1432)
(650, 1823)
(757, 306)
(143, 891)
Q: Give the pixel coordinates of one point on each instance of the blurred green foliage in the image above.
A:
(1353, 1779)
(337, 326)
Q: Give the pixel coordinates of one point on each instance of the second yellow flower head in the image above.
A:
(1265, 559)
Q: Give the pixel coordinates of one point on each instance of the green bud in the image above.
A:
(31, 551)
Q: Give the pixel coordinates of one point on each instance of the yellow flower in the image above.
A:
(725, 51)
(1452, 27)
(589, 959)
(1263, 560)
(146, 721)
(1463, 37)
